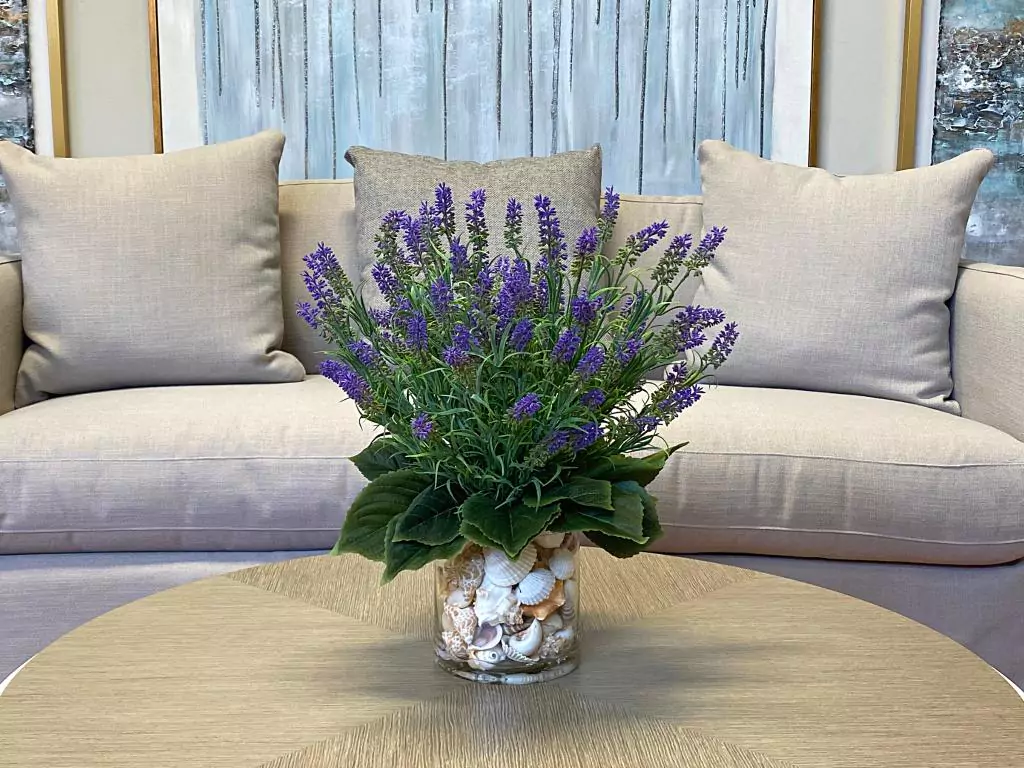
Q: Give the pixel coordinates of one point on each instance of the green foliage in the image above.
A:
(384, 499)
(432, 518)
(381, 456)
(509, 526)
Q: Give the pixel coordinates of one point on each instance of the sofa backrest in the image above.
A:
(315, 211)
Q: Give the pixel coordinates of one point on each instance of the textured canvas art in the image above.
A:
(479, 79)
(15, 101)
(979, 102)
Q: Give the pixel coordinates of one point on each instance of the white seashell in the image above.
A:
(456, 646)
(504, 572)
(487, 636)
(562, 563)
(558, 644)
(535, 586)
(549, 540)
(463, 620)
(486, 660)
(458, 598)
(572, 593)
(527, 643)
(552, 624)
(513, 655)
(548, 606)
(568, 634)
(496, 605)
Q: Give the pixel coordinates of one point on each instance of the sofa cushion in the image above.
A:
(838, 284)
(150, 271)
(809, 474)
(233, 467)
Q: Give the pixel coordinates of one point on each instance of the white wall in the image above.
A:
(109, 97)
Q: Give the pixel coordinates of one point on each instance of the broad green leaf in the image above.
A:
(432, 519)
(379, 457)
(471, 532)
(626, 520)
(620, 468)
(374, 508)
(584, 491)
(511, 527)
(613, 545)
(652, 526)
(412, 555)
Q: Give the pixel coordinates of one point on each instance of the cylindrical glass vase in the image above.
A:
(510, 621)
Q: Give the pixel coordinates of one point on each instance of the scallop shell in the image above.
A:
(552, 624)
(526, 643)
(535, 586)
(549, 540)
(562, 563)
(553, 602)
(456, 646)
(486, 660)
(501, 570)
(463, 621)
(497, 605)
(487, 636)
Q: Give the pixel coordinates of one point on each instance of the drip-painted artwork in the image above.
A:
(15, 102)
(979, 102)
(487, 79)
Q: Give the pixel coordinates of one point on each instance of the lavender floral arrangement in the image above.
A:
(512, 388)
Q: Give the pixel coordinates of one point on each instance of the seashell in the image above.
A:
(501, 570)
(553, 602)
(513, 655)
(557, 644)
(486, 660)
(458, 598)
(487, 636)
(562, 563)
(549, 540)
(527, 643)
(456, 646)
(463, 620)
(535, 586)
(465, 572)
(552, 624)
(496, 605)
(447, 623)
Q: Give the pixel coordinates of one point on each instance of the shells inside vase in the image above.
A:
(505, 620)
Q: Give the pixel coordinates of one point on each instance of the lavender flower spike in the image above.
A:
(416, 332)
(522, 335)
(421, 426)
(591, 363)
(593, 398)
(552, 241)
(441, 296)
(526, 407)
(476, 221)
(444, 210)
(567, 345)
(514, 225)
(587, 435)
(354, 385)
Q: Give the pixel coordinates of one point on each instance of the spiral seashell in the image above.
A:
(562, 563)
(486, 660)
(463, 621)
(499, 569)
(552, 624)
(513, 655)
(455, 645)
(535, 586)
(487, 636)
(549, 540)
(547, 607)
(528, 641)
(496, 605)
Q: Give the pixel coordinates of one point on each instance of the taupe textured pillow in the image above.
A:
(839, 284)
(387, 181)
(152, 270)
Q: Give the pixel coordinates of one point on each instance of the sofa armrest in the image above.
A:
(11, 337)
(988, 345)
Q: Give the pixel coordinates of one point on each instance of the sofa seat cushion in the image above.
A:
(808, 474)
(230, 467)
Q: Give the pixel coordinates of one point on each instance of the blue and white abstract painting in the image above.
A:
(486, 79)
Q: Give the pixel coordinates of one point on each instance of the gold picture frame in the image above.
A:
(912, 37)
(58, 92)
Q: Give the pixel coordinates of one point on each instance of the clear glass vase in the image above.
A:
(510, 621)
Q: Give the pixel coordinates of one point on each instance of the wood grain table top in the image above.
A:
(311, 663)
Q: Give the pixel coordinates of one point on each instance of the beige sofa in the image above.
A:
(108, 496)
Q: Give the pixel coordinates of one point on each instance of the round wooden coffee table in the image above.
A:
(311, 663)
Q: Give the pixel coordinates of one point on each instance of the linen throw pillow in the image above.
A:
(839, 284)
(386, 181)
(149, 271)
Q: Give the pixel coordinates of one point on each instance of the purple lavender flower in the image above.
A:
(722, 346)
(677, 373)
(690, 338)
(416, 331)
(444, 210)
(593, 398)
(699, 317)
(628, 349)
(713, 238)
(522, 335)
(558, 441)
(476, 222)
(364, 352)
(459, 259)
(386, 280)
(648, 237)
(514, 225)
(673, 260)
(679, 400)
(609, 213)
(484, 281)
(441, 296)
(320, 263)
(591, 363)
(587, 435)
(585, 310)
(552, 241)
(705, 252)
(306, 311)
(515, 292)
(567, 345)
(382, 317)
(586, 246)
(526, 407)
(457, 353)
(646, 424)
(415, 239)
(421, 426)
(342, 374)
